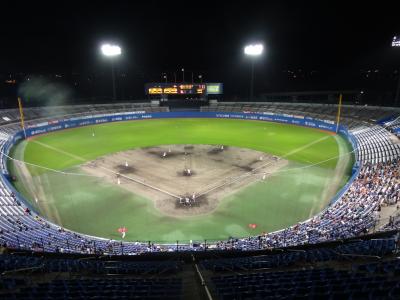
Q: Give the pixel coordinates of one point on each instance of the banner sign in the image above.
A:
(55, 125)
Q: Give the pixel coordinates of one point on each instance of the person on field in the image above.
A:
(123, 231)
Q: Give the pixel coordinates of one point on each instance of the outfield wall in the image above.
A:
(56, 125)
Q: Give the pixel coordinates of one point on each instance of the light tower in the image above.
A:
(396, 44)
(253, 51)
(111, 51)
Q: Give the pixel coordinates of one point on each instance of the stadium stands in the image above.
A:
(375, 144)
(352, 115)
(351, 269)
(102, 289)
(10, 116)
(308, 284)
(373, 247)
(10, 262)
(393, 125)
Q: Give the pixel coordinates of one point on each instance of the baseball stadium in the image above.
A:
(227, 171)
(193, 151)
(181, 178)
(141, 179)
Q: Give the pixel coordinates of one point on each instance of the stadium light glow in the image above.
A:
(110, 50)
(396, 41)
(254, 50)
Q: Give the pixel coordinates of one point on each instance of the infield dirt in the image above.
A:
(161, 174)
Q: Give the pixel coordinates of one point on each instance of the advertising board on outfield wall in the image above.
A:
(44, 127)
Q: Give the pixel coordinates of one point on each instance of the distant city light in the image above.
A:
(254, 50)
(396, 41)
(110, 50)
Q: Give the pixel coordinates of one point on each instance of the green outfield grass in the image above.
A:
(83, 204)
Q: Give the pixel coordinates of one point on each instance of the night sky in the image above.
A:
(336, 39)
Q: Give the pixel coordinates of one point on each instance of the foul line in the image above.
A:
(46, 168)
(211, 187)
(59, 150)
(109, 170)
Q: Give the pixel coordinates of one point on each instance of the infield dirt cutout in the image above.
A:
(185, 180)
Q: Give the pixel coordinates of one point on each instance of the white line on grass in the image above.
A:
(45, 168)
(140, 181)
(209, 188)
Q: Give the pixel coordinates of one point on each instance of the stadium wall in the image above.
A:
(55, 125)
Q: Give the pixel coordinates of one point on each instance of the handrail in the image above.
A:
(203, 283)
(360, 255)
(8, 272)
(87, 258)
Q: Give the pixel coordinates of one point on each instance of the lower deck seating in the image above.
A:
(324, 283)
(373, 247)
(15, 262)
(170, 288)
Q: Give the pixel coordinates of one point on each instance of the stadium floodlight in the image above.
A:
(111, 51)
(396, 41)
(253, 50)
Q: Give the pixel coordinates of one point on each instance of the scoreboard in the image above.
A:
(176, 89)
(183, 88)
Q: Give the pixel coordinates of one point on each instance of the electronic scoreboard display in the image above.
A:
(183, 88)
(175, 89)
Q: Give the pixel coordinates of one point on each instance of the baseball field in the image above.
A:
(181, 179)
